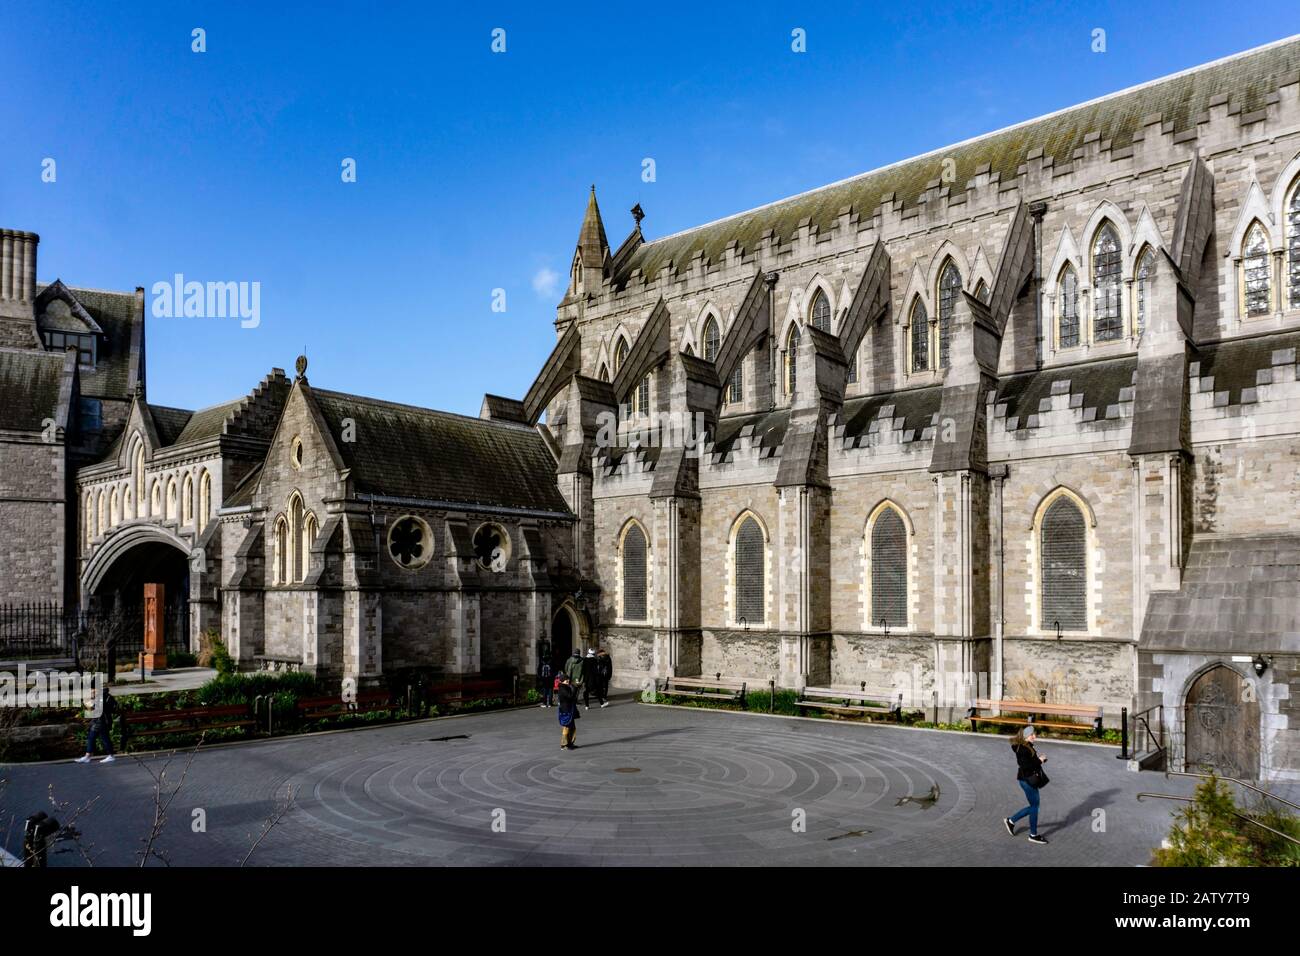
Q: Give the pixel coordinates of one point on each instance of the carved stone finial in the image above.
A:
(300, 366)
(638, 214)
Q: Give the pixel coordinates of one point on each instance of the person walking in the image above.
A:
(101, 726)
(545, 682)
(590, 679)
(568, 713)
(605, 674)
(1030, 776)
(575, 670)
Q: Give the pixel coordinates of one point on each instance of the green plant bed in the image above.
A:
(1210, 831)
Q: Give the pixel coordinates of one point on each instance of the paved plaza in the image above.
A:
(647, 786)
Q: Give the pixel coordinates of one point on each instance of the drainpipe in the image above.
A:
(998, 473)
(1037, 210)
(772, 345)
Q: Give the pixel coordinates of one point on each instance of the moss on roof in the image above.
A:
(207, 422)
(117, 314)
(169, 422)
(402, 451)
(1247, 81)
(29, 388)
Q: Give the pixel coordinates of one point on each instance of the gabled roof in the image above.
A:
(169, 422)
(1246, 81)
(206, 422)
(30, 381)
(402, 451)
(120, 316)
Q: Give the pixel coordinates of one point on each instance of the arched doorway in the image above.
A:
(113, 584)
(562, 637)
(1221, 717)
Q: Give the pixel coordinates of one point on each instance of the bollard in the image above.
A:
(1123, 734)
(771, 700)
(934, 697)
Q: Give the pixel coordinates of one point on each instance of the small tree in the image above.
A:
(1213, 830)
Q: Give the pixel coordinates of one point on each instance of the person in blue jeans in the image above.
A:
(1030, 776)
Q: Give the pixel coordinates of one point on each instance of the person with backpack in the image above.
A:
(544, 683)
(101, 726)
(568, 714)
(573, 669)
(1030, 776)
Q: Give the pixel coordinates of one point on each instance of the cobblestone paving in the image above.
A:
(648, 785)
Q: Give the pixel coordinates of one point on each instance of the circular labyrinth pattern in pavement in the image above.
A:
(695, 794)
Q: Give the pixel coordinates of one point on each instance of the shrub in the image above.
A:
(1209, 832)
(242, 688)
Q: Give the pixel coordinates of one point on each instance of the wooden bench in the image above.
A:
(423, 696)
(860, 701)
(193, 720)
(705, 688)
(1033, 709)
(365, 702)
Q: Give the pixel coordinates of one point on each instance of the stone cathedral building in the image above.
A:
(1019, 417)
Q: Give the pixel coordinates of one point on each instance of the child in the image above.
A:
(568, 714)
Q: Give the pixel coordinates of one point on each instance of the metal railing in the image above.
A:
(1248, 819)
(1146, 740)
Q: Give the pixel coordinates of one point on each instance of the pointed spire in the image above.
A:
(593, 247)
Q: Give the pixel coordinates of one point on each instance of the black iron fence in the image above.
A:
(41, 631)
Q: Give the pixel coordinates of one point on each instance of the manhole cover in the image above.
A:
(627, 769)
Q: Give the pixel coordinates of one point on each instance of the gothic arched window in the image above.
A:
(205, 500)
(620, 354)
(889, 568)
(919, 330)
(1293, 246)
(949, 291)
(736, 387)
(294, 558)
(820, 312)
(187, 500)
(633, 556)
(1256, 272)
(1063, 542)
(791, 359)
(1146, 268)
(1067, 309)
(1107, 298)
(750, 550)
(711, 340)
(309, 529)
(982, 292)
(280, 558)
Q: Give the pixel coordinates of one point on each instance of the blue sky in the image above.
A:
(473, 167)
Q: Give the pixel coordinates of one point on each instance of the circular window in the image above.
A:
(296, 453)
(410, 542)
(492, 547)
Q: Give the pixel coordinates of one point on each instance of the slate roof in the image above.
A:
(29, 387)
(1240, 594)
(169, 422)
(207, 422)
(771, 426)
(243, 492)
(1235, 368)
(402, 451)
(1247, 80)
(1092, 385)
(116, 314)
(916, 407)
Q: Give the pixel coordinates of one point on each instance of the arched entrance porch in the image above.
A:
(113, 589)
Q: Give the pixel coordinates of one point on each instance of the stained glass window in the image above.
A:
(949, 290)
(1256, 267)
(1107, 305)
(920, 332)
(1068, 304)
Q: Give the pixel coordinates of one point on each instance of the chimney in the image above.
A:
(17, 273)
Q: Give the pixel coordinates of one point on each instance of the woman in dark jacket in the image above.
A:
(1030, 777)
